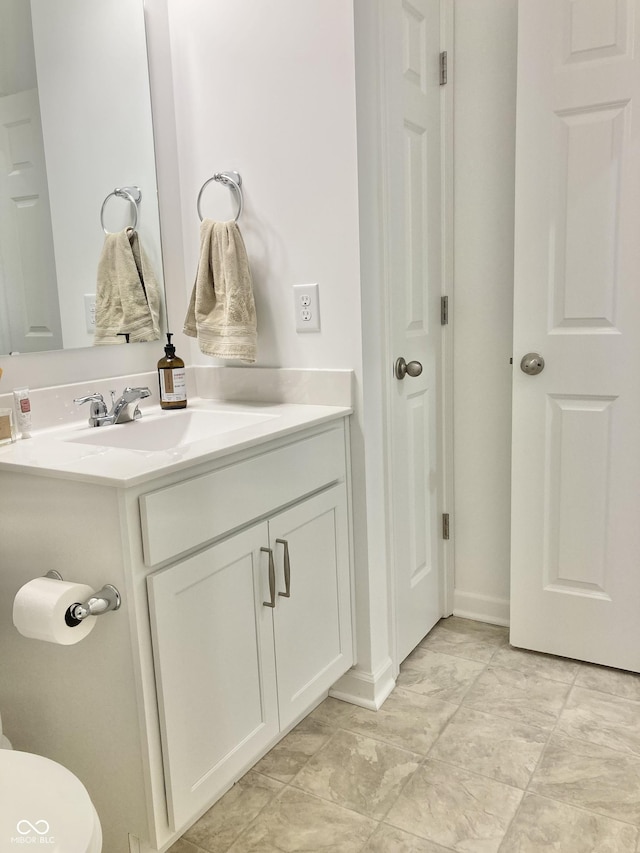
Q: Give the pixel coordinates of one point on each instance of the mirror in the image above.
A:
(75, 124)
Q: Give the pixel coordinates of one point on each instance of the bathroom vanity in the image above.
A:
(232, 553)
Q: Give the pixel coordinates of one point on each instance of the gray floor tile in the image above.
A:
(462, 644)
(547, 826)
(517, 695)
(602, 718)
(440, 676)
(331, 712)
(296, 822)
(505, 750)
(217, 828)
(616, 681)
(290, 755)
(407, 720)
(455, 809)
(534, 663)
(390, 839)
(479, 629)
(359, 773)
(593, 777)
(184, 846)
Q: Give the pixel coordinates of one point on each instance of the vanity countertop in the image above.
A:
(75, 452)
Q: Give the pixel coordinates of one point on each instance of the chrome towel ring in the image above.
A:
(132, 195)
(231, 179)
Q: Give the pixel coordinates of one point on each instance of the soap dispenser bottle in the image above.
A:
(172, 378)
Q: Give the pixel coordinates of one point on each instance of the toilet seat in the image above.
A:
(41, 800)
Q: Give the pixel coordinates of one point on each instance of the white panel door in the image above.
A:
(576, 453)
(215, 668)
(27, 263)
(414, 273)
(312, 624)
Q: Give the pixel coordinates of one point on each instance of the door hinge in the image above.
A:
(445, 525)
(444, 310)
(443, 67)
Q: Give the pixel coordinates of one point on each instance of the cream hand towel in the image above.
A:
(222, 311)
(127, 294)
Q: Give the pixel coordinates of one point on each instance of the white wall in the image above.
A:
(268, 89)
(484, 120)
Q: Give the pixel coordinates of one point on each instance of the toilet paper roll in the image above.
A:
(40, 606)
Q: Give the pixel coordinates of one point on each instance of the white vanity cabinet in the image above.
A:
(239, 653)
(172, 698)
(236, 660)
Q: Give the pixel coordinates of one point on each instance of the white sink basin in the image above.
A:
(168, 430)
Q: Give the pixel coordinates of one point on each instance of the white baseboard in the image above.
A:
(366, 689)
(482, 608)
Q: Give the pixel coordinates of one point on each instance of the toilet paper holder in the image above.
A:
(105, 599)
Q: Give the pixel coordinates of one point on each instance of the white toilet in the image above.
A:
(44, 803)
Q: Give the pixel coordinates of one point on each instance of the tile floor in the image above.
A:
(480, 748)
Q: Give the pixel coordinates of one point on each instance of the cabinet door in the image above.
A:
(313, 626)
(215, 670)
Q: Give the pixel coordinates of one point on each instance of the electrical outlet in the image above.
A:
(307, 307)
(90, 312)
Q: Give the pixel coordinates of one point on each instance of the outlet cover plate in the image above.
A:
(90, 312)
(307, 307)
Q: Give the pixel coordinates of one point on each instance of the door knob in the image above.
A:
(401, 369)
(532, 363)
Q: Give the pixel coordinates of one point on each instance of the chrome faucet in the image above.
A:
(121, 409)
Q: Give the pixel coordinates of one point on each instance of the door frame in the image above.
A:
(447, 42)
(376, 172)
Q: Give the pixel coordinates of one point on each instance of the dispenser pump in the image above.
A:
(169, 349)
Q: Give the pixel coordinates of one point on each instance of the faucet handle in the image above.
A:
(90, 398)
(142, 392)
(130, 394)
(98, 408)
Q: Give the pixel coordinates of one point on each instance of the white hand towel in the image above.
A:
(127, 294)
(222, 311)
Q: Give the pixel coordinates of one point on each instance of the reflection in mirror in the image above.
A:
(75, 124)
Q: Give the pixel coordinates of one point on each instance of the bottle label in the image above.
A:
(173, 384)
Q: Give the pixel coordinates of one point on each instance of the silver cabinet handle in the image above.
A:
(272, 579)
(287, 569)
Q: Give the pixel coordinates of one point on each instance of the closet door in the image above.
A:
(215, 670)
(576, 455)
(414, 222)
